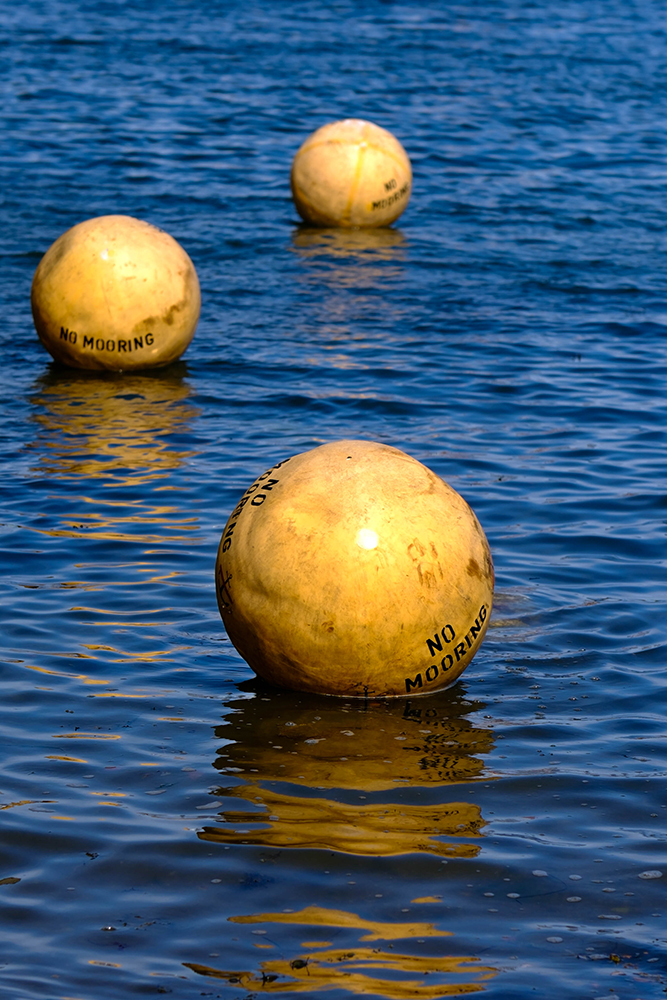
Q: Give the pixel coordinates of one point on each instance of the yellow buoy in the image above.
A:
(351, 173)
(115, 293)
(354, 570)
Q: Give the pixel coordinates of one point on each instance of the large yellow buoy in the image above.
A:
(351, 173)
(115, 293)
(354, 570)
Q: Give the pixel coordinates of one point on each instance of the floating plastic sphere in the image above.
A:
(351, 173)
(354, 570)
(115, 293)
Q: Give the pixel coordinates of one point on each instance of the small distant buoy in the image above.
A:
(354, 570)
(115, 293)
(351, 173)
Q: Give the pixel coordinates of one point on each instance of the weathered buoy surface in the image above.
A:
(351, 173)
(115, 293)
(354, 570)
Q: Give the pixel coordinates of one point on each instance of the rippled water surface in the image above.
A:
(169, 826)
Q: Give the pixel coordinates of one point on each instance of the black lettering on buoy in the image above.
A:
(443, 662)
(138, 342)
(396, 196)
(475, 629)
(88, 341)
(111, 345)
(460, 650)
(447, 632)
(258, 500)
(149, 339)
(259, 483)
(482, 613)
(432, 672)
(121, 346)
(416, 683)
(434, 644)
(99, 344)
(227, 538)
(239, 507)
(69, 335)
(390, 185)
(265, 486)
(64, 333)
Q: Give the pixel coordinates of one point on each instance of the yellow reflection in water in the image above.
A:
(321, 916)
(358, 245)
(114, 430)
(58, 756)
(344, 275)
(353, 968)
(282, 752)
(86, 736)
(111, 425)
(103, 432)
(377, 830)
(63, 673)
(25, 802)
(114, 427)
(330, 743)
(105, 522)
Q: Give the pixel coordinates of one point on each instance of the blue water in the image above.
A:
(170, 826)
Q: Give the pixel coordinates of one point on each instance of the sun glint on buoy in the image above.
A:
(354, 570)
(351, 173)
(115, 293)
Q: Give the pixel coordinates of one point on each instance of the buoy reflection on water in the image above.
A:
(353, 964)
(281, 751)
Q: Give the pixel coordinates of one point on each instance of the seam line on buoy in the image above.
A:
(355, 183)
(396, 157)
